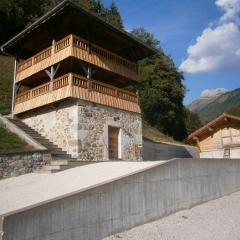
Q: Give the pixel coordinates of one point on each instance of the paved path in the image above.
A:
(214, 220)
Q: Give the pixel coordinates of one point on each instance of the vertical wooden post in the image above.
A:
(13, 89)
(89, 77)
(53, 47)
(197, 142)
(71, 40)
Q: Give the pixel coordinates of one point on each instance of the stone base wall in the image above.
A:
(81, 129)
(15, 164)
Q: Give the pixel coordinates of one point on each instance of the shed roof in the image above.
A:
(31, 190)
(69, 17)
(212, 125)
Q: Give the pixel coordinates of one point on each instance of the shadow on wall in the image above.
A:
(163, 151)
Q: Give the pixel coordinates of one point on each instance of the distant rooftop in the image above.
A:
(212, 126)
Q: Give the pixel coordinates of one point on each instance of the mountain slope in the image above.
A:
(210, 108)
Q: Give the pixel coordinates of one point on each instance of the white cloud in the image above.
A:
(231, 9)
(218, 48)
(207, 93)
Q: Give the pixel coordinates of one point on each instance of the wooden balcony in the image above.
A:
(76, 86)
(73, 46)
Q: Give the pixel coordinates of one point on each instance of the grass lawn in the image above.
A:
(153, 134)
(9, 142)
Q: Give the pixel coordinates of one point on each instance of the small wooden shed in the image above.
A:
(220, 138)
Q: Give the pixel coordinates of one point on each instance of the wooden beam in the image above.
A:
(211, 129)
(197, 142)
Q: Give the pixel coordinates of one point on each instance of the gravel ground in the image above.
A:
(218, 219)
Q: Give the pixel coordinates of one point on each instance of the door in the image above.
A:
(113, 133)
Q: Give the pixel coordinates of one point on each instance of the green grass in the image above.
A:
(9, 142)
(6, 79)
(155, 135)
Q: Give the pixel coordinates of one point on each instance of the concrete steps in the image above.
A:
(55, 150)
(61, 165)
(60, 159)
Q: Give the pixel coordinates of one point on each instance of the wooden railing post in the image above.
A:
(53, 47)
(71, 40)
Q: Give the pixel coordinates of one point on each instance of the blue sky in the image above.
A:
(178, 24)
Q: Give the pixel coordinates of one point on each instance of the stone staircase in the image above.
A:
(60, 159)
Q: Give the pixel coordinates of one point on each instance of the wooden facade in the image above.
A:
(218, 137)
(76, 86)
(72, 53)
(73, 46)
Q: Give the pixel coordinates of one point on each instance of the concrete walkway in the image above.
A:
(215, 220)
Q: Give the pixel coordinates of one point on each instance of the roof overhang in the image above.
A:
(211, 127)
(69, 17)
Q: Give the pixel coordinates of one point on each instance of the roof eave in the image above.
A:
(59, 7)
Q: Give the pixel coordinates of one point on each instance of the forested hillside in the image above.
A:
(6, 78)
(228, 102)
(161, 88)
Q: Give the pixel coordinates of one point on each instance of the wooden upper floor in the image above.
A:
(78, 87)
(76, 47)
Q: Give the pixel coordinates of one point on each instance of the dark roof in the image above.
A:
(211, 126)
(73, 18)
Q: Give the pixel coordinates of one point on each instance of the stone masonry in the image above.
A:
(81, 129)
(15, 164)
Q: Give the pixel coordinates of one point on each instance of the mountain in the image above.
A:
(212, 105)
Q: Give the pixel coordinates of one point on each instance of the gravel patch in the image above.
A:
(218, 219)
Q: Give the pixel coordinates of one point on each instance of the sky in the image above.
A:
(202, 36)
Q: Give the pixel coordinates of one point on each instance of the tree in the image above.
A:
(192, 121)
(113, 16)
(161, 90)
(16, 15)
(234, 111)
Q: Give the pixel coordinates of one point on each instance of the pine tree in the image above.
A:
(113, 16)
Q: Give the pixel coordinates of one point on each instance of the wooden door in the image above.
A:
(113, 133)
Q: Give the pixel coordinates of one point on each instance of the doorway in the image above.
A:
(113, 143)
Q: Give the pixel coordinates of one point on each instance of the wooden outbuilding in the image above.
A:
(220, 138)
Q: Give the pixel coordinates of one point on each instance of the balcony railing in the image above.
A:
(85, 51)
(76, 86)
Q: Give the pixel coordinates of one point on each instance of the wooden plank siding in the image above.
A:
(76, 86)
(226, 137)
(73, 46)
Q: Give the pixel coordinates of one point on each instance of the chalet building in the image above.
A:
(219, 138)
(71, 73)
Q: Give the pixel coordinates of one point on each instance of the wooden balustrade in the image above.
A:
(81, 85)
(80, 81)
(84, 50)
(24, 65)
(61, 82)
(22, 97)
(42, 55)
(94, 49)
(60, 45)
(40, 90)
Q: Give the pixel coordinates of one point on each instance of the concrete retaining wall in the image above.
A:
(125, 203)
(162, 151)
(14, 164)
